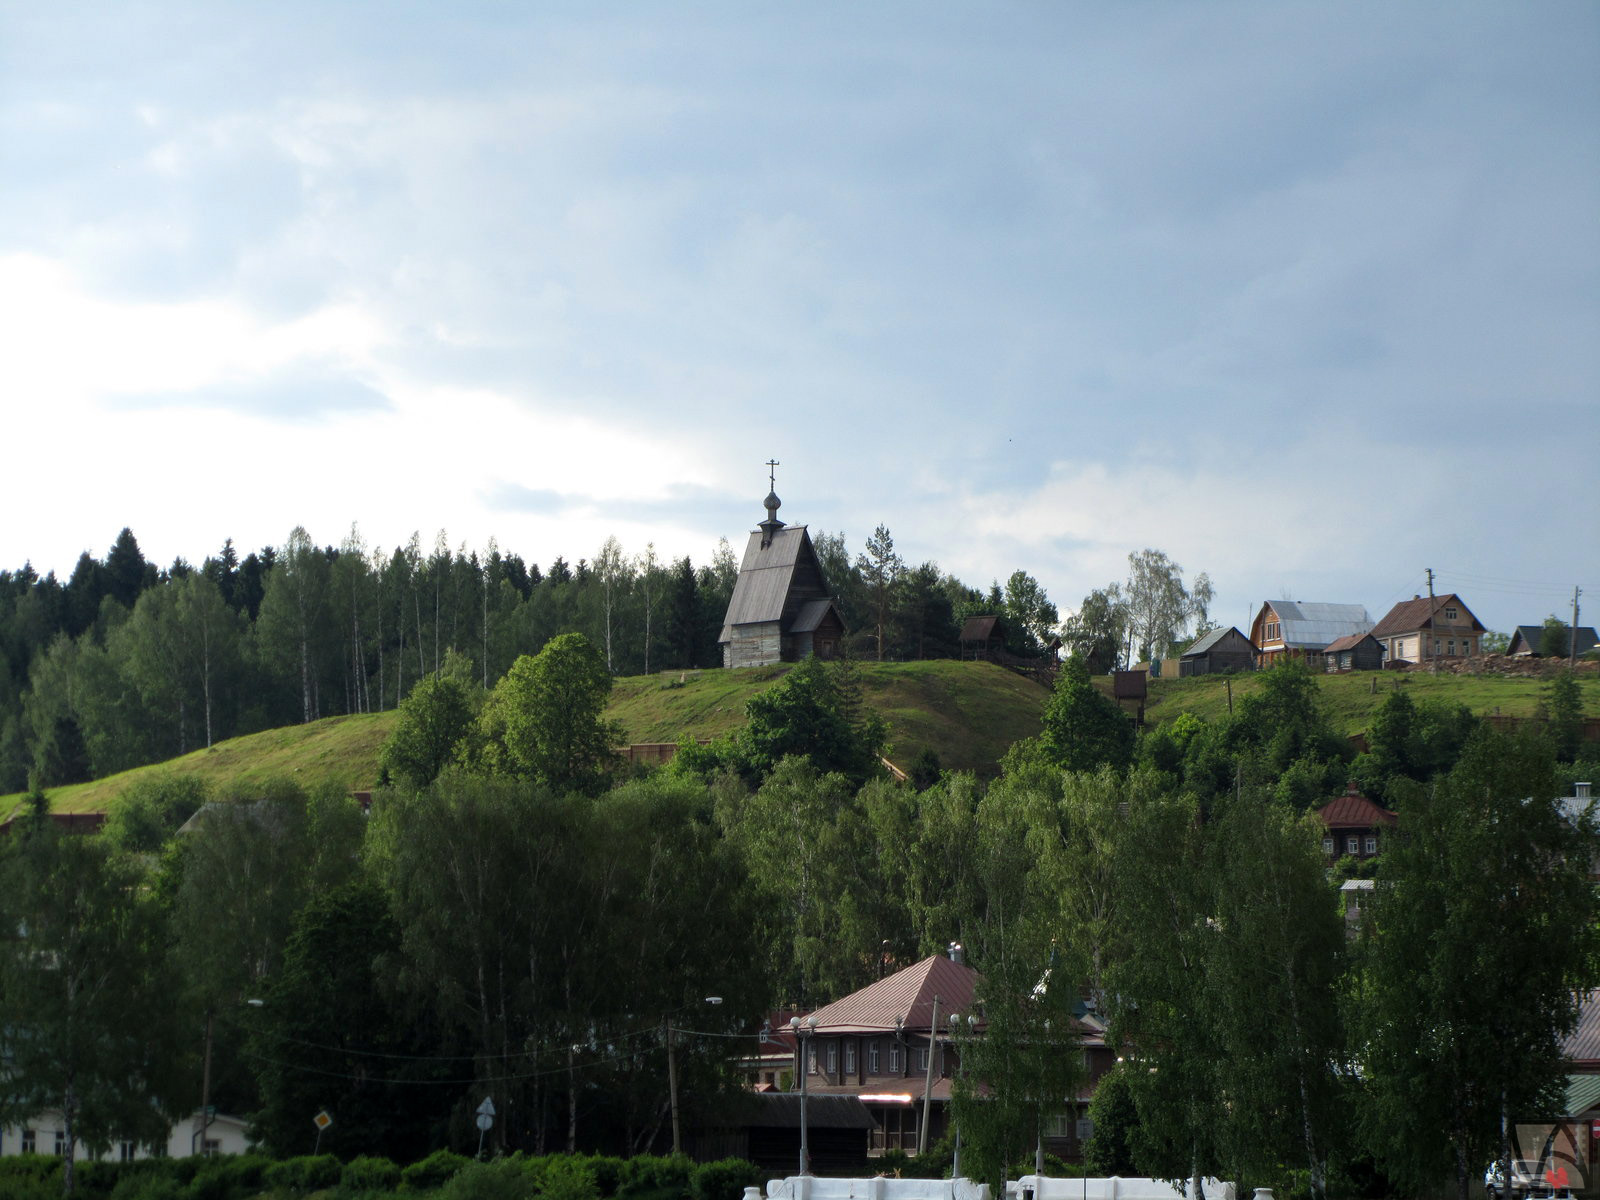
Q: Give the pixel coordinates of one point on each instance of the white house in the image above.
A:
(46, 1134)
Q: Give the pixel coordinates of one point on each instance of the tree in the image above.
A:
(293, 626)
(1555, 640)
(1097, 631)
(86, 991)
(332, 1035)
(1158, 604)
(1562, 707)
(432, 721)
(808, 714)
(544, 720)
(880, 568)
(1082, 729)
(1030, 612)
(1483, 937)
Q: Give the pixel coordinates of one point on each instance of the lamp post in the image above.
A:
(802, 1034)
(672, 1076)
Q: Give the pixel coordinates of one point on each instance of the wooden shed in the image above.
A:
(1217, 653)
(982, 637)
(1354, 652)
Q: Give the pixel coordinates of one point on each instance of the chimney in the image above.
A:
(1581, 790)
(957, 954)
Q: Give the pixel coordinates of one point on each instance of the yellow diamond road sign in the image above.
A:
(322, 1120)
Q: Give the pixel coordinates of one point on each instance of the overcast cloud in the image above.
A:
(1306, 295)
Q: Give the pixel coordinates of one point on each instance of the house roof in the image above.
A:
(764, 576)
(781, 1110)
(1583, 1094)
(1582, 1045)
(1312, 625)
(906, 994)
(1418, 612)
(980, 629)
(1528, 638)
(811, 614)
(1354, 810)
(1349, 642)
(1210, 641)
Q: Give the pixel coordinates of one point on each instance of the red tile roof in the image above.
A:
(1417, 613)
(906, 994)
(1353, 810)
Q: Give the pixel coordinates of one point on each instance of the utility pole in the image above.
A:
(1572, 634)
(1430, 612)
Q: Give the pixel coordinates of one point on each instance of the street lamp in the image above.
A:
(672, 1074)
(961, 1071)
(802, 1033)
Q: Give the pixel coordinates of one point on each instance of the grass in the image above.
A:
(1350, 700)
(967, 713)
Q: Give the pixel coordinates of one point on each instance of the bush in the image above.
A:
(566, 1177)
(724, 1179)
(308, 1173)
(607, 1171)
(500, 1179)
(434, 1171)
(652, 1177)
(229, 1177)
(370, 1174)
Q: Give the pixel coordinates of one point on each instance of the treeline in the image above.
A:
(124, 664)
(515, 919)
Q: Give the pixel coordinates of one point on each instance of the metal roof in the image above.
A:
(1583, 1043)
(1311, 626)
(1353, 810)
(906, 994)
(1583, 1093)
(1209, 641)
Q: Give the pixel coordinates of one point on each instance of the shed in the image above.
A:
(1354, 652)
(982, 636)
(1528, 640)
(1218, 652)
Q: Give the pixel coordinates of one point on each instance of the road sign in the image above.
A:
(486, 1109)
(485, 1122)
(322, 1120)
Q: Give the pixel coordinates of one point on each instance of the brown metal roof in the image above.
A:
(906, 994)
(1354, 810)
(1349, 642)
(1418, 613)
(1582, 1046)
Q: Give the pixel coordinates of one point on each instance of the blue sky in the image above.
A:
(1307, 296)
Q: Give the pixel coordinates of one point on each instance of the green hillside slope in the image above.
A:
(967, 713)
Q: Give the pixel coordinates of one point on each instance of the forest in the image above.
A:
(125, 663)
(522, 917)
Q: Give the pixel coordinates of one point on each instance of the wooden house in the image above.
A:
(1354, 825)
(1354, 652)
(982, 637)
(1427, 628)
(1217, 653)
(780, 610)
(1528, 641)
(1301, 629)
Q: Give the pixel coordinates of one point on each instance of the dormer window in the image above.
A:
(1449, 614)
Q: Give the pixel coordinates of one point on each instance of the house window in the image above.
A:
(211, 1147)
(1436, 645)
(850, 1058)
(872, 1057)
(894, 1058)
(125, 1151)
(1449, 614)
(1085, 1128)
(1372, 844)
(1327, 845)
(30, 1142)
(1060, 1125)
(1352, 845)
(61, 1143)
(922, 1058)
(1450, 646)
(833, 1058)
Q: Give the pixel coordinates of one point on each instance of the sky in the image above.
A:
(1305, 295)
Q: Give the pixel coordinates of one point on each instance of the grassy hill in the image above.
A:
(968, 713)
(1349, 700)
